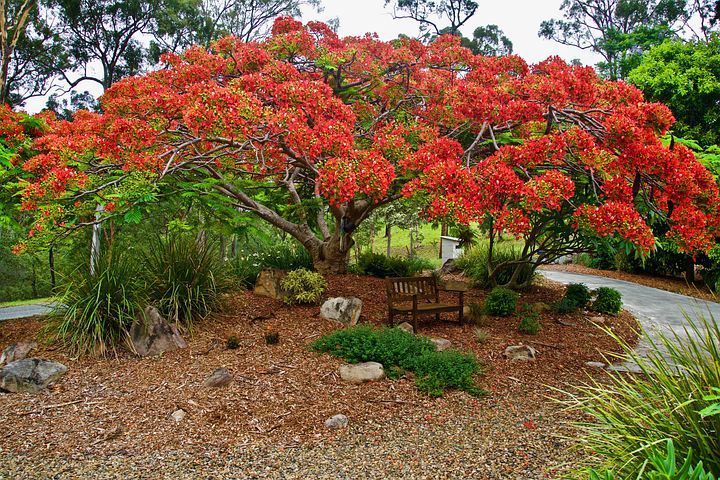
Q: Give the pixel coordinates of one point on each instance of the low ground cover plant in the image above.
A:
(395, 348)
(529, 321)
(501, 302)
(303, 287)
(633, 416)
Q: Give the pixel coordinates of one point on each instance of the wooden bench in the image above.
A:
(419, 295)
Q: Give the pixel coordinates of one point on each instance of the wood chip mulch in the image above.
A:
(670, 284)
(111, 416)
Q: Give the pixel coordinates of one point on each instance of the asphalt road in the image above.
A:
(657, 311)
(22, 311)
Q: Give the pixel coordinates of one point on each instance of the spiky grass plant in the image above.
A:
(95, 311)
(184, 277)
(635, 414)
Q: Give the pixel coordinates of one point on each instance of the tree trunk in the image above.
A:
(330, 257)
(388, 235)
(690, 270)
(51, 263)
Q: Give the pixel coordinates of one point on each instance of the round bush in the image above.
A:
(501, 302)
(607, 300)
(303, 287)
(579, 294)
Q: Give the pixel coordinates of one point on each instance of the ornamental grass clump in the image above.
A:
(632, 416)
(397, 349)
(184, 277)
(303, 287)
(95, 311)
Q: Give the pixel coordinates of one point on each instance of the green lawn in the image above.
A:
(18, 303)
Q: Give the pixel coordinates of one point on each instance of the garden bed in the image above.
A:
(113, 415)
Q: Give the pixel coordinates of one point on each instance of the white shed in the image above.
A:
(450, 248)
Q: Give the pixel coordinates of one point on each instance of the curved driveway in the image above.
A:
(22, 311)
(656, 310)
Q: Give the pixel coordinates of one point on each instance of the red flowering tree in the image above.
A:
(340, 127)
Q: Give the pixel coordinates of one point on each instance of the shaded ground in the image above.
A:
(109, 418)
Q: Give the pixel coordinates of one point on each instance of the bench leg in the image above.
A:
(390, 318)
(414, 320)
(437, 317)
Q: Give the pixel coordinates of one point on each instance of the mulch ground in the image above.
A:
(111, 416)
(670, 284)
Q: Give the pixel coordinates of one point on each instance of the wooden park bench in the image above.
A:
(419, 295)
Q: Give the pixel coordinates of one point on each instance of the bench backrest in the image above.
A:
(401, 289)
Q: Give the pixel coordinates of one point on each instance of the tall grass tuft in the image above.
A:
(474, 264)
(634, 415)
(184, 277)
(284, 255)
(95, 312)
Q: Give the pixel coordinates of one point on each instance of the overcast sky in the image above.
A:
(519, 19)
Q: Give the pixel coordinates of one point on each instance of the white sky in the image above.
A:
(519, 19)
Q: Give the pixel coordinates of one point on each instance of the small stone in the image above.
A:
(178, 415)
(441, 344)
(595, 364)
(16, 351)
(345, 310)
(30, 375)
(336, 422)
(407, 327)
(219, 378)
(362, 372)
(523, 353)
(540, 307)
(600, 320)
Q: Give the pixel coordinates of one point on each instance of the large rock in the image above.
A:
(362, 372)
(336, 422)
(441, 344)
(522, 353)
(30, 375)
(407, 327)
(219, 378)
(151, 334)
(16, 351)
(345, 310)
(268, 283)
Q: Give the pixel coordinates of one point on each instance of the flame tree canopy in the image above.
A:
(340, 126)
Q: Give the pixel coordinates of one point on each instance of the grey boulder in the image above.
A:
(407, 327)
(220, 377)
(30, 375)
(345, 310)
(441, 344)
(336, 422)
(522, 353)
(362, 372)
(151, 334)
(16, 351)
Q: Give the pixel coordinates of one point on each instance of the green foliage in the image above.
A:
(379, 265)
(397, 349)
(501, 302)
(253, 258)
(95, 312)
(577, 295)
(607, 300)
(303, 287)
(632, 414)
(184, 276)
(474, 264)
(529, 321)
(437, 371)
(232, 343)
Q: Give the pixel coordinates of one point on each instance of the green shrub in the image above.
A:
(253, 258)
(607, 300)
(437, 371)
(564, 305)
(530, 321)
(303, 287)
(184, 277)
(473, 264)
(232, 343)
(272, 338)
(398, 350)
(501, 302)
(630, 415)
(95, 312)
(579, 294)
(379, 265)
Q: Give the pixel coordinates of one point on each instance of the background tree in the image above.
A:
(685, 76)
(618, 30)
(435, 17)
(489, 40)
(14, 18)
